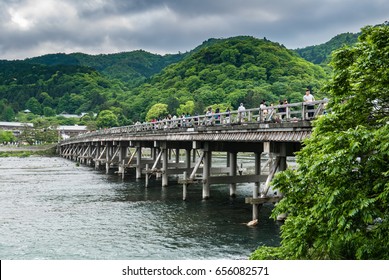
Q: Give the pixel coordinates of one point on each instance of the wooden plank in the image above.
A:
(236, 179)
(180, 170)
(261, 200)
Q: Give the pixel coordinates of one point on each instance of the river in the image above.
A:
(50, 208)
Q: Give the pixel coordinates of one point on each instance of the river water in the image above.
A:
(50, 208)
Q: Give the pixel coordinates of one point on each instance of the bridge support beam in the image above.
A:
(232, 163)
(122, 159)
(97, 156)
(187, 158)
(207, 171)
(138, 161)
(257, 169)
(165, 164)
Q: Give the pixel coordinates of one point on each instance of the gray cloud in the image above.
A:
(36, 27)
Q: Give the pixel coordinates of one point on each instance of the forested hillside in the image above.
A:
(227, 72)
(321, 53)
(50, 90)
(132, 68)
(222, 72)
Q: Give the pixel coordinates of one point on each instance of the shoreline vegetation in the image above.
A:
(26, 151)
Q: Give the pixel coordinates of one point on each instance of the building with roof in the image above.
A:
(15, 127)
(67, 131)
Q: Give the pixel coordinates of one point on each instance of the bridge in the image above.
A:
(182, 148)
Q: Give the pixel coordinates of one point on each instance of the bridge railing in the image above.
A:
(280, 113)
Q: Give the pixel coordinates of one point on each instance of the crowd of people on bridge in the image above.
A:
(266, 113)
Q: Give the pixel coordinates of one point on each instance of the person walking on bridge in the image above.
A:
(308, 98)
(241, 113)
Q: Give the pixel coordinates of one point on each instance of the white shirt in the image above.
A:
(241, 108)
(308, 98)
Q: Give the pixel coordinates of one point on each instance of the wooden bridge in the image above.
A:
(271, 134)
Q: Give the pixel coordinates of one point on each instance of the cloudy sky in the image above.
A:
(31, 28)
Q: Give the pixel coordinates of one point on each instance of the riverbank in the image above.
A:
(26, 151)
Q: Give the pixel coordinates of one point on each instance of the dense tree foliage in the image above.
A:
(6, 136)
(229, 71)
(106, 119)
(50, 90)
(337, 199)
(220, 71)
(131, 68)
(6, 111)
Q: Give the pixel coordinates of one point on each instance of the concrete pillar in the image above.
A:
(177, 155)
(138, 162)
(185, 187)
(147, 176)
(283, 164)
(122, 156)
(98, 151)
(206, 173)
(89, 154)
(257, 170)
(187, 158)
(108, 157)
(165, 159)
(233, 166)
(154, 153)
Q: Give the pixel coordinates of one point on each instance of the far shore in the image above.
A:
(23, 151)
(27, 148)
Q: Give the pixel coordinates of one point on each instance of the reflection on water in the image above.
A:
(52, 209)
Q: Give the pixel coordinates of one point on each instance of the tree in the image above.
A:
(156, 111)
(46, 135)
(48, 112)
(106, 118)
(188, 107)
(34, 106)
(337, 198)
(6, 136)
(8, 114)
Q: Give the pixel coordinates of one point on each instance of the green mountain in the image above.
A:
(132, 68)
(219, 71)
(321, 54)
(59, 88)
(228, 72)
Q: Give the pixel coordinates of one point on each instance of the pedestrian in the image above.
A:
(209, 115)
(281, 110)
(227, 115)
(217, 116)
(263, 111)
(308, 98)
(241, 113)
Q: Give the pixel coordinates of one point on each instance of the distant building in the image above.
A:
(15, 127)
(66, 115)
(67, 131)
